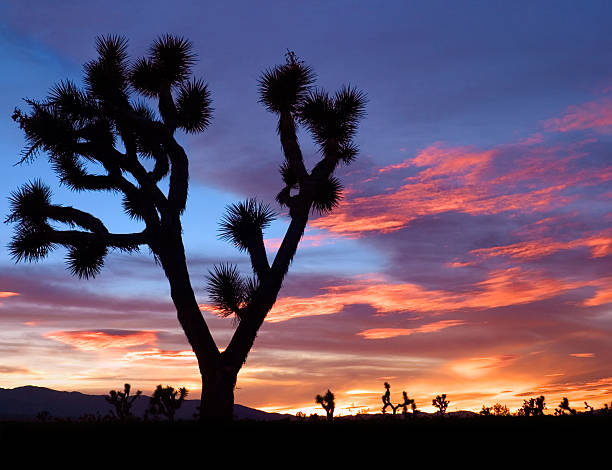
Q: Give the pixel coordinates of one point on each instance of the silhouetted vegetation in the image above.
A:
(533, 407)
(407, 402)
(327, 401)
(500, 410)
(122, 401)
(441, 403)
(165, 401)
(106, 125)
(564, 408)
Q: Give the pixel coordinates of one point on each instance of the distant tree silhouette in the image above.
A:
(408, 402)
(327, 401)
(486, 411)
(533, 407)
(441, 403)
(564, 408)
(589, 409)
(165, 401)
(105, 126)
(386, 399)
(122, 401)
(500, 410)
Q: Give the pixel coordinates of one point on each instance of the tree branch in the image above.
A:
(291, 147)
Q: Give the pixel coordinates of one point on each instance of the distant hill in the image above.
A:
(24, 403)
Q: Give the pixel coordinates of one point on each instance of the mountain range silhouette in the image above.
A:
(24, 403)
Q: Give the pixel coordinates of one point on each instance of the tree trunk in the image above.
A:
(217, 402)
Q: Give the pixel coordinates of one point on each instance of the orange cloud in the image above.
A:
(583, 355)
(502, 288)
(600, 245)
(592, 115)
(454, 179)
(478, 366)
(4, 295)
(385, 333)
(602, 296)
(97, 340)
(158, 354)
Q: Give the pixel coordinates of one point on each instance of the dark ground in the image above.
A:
(506, 434)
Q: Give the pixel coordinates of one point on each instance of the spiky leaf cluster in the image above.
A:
(244, 222)
(169, 63)
(107, 78)
(284, 87)
(29, 204)
(193, 106)
(85, 260)
(327, 195)
(227, 290)
(28, 208)
(334, 117)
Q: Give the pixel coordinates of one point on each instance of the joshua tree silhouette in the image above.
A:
(166, 401)
(533, 407)
(406, 403)
(441, 403)
(122, 401)
(564, 408)
(500, 410)
(102, 125)
(328, 403)
(386, 399)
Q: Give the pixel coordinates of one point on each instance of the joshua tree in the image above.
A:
(386, 399)
(441, 403)
(166, 401)
(533, 407)
(122, 401)
(328, 404)
(589, 409)
(103, 125)
(406, 403)
(565, 408)
(486, 411)
(500, 410)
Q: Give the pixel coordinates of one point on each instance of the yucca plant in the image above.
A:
(166, 401)
(328, 402)
(104, 125)
(122, 401)
(441, 403)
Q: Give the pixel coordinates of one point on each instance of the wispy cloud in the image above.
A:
(385, 333)
(98, 340)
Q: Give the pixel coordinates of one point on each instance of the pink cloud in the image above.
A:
(157, 354)
(464, 179)
(385, 333)
(97, 340)
(4, 295)
(512, 286)
(600, 245)
(592, 115)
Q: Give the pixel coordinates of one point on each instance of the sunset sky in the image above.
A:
(472, 252)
